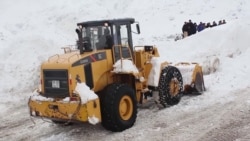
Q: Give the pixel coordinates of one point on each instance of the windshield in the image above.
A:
(99, 37)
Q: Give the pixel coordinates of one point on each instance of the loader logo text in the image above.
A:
(89, 59)
(84, 61)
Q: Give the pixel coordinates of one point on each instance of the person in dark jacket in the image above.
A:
(195, 28)
(109, 40)
(208, 25)
(220, 22)
(191, 28)
(214, 24)
(224, 21)
(185, 29)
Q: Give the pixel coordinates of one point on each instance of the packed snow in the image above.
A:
(124, 66)
(32, 31)
(154, 75)
(85, 93)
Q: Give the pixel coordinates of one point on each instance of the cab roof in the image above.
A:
(109, 22)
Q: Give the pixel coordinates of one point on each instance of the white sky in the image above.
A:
(29, 34)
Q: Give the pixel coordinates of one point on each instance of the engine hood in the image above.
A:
(73, 59)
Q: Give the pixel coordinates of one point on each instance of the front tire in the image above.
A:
(118, 107)
(170, 86)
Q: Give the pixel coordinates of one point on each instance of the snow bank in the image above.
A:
(210, 65)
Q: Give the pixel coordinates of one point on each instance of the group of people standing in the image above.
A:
(190, 28)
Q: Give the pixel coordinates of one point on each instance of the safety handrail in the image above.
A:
(69, 48)
(138, 47)
(121, 53)
(73, 56)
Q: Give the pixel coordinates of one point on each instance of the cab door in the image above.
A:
(123, 46)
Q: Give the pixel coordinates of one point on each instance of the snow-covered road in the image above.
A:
(225, 120)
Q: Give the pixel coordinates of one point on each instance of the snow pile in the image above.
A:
(66, 99)
(93, 120)
(125, 66)
(38, 97)
(85, 93)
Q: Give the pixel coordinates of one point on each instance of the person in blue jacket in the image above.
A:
(200, 27)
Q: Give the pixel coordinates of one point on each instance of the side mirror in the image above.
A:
(138, 28)
(80, 41)
(77, 31)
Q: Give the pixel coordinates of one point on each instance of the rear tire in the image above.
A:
(118, 107)
(170, 86)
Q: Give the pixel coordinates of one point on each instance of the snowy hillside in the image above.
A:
(31, 31)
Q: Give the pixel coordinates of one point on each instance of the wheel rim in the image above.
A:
(174, 87)
(126, 107)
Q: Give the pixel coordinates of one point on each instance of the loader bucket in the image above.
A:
(192, 75)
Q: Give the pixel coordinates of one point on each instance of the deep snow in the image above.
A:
(31, 31)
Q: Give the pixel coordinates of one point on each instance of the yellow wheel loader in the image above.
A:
(105, 77)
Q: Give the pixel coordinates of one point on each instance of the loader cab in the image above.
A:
(105, 34)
